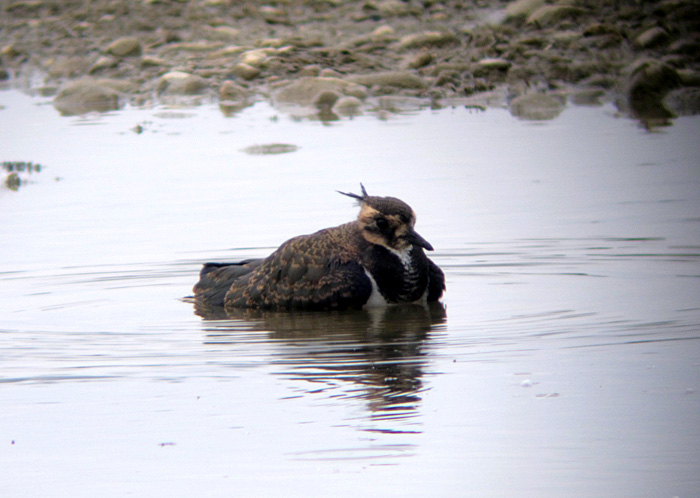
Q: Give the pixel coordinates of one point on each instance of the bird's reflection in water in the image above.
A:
(375, 354)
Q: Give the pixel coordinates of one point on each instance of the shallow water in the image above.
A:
(565, 362)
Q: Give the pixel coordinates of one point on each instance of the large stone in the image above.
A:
(396, 79)
(231, 91)
(87, 95)
(537, 106)
(683, 101)
(246, 71)
(126, 46)
(549, 15)
(648, 83)
(222, 33)
(305, 91)
(427, 39)
(181, 83)
(256, 57)
(522, 9)
(652, 37)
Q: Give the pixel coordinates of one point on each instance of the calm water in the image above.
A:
(565, 362)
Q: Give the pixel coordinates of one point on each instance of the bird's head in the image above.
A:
(388, 221)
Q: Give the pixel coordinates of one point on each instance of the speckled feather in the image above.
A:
(376, 259)
(317, 271)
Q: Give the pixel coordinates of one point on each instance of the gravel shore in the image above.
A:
(334, 57)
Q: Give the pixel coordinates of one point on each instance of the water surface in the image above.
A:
(564, 362)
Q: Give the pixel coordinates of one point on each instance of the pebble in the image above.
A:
(348, 106)
(304, 91)
(522, 9)
(427, 39)
(246, 71)
(398, 79)
(648, 82)
(127, 46)
(222, 33)
(257, 57)
(418, 60)
(86, 95)
(683, 101)
(652, 38)
(181, 83)
(104, 62)
(232, 91)
(325, 99)
(537, 106)
(549, 15)
(494, 63)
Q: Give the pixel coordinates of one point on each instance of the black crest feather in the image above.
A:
(361, 198)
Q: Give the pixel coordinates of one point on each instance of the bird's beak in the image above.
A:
(414, 238)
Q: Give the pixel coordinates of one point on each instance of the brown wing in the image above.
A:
(215, 280)
(309, 272)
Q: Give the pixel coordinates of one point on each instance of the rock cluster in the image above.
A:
(330, 54)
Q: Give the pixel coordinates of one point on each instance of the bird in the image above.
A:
(376, 260)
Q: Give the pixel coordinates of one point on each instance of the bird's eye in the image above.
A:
(382, 223)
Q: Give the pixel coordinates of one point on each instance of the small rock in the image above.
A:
(222, 33)
(304, 91)
(427, 39)
(256, 58)
(399, 103)
(104, 62)
(549, 15)
(500, 64)
(271, 43)
(10, 51)
(124, 47)
(4, 74)
(149, 61)
(398, 79)
(383, 32)
(231, 91)
(181, 83)
(68, 67)
(325, 99)
(246, 71)
(685, 47)
(329, 73)
(273, 15)
(348, 106)
(601, 29)
(537, 106)
(86, 95)
(648, 82)
(683, 101)
(689, 77)
(418, 60)
(393, 8)
(522, 9)
(588, 97)
(310, 70)
(652, 38)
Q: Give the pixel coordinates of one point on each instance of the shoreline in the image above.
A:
(334, 57)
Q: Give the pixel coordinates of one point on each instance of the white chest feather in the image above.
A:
(375, 299)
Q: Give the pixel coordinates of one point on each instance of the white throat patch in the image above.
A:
(404, 255)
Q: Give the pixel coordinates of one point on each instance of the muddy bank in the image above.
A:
(340, 57)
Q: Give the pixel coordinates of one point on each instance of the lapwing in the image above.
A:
(376, 260)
